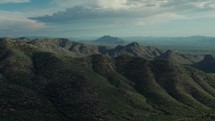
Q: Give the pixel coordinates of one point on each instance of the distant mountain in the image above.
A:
(207, 64)
(110, 40)
(178, 58)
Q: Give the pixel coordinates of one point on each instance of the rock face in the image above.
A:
(207, 64)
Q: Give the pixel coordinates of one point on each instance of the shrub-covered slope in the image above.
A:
(41, 85)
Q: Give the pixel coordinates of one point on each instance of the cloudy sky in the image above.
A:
(76, 18)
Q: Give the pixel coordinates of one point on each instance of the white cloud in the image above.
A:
(201, 4)
(160, 18)
(113, 4)
(14, 1)
(63, 4)
(15, 23)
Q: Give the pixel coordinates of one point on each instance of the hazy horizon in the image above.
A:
(99, 36)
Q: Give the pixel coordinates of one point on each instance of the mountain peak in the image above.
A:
(107, 36)
(209, 58)
(133, 44)
(169, 51)
(207, 64)
(110, 39)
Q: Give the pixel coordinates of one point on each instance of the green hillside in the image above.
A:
(38, 84)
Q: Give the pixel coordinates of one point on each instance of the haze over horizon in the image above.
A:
(71, 18)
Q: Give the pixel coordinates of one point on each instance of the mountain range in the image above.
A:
(63, 80)
(77, 49)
